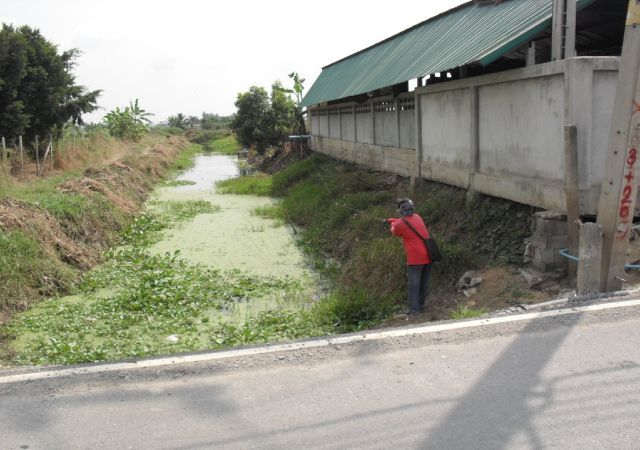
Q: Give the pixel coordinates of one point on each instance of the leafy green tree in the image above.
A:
(38, 94)
(128, 123)
(264, 120)
(251, 120)
(298, 88)
(281, 120)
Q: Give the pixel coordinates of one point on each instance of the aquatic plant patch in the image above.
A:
(176, 183)
(183, 210)
(162, 304)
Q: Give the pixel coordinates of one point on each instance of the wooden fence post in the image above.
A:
(4, 151)
(37, 157)
(51, 145)
(21, 155)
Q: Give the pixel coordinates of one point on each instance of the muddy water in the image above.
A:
(232, 238)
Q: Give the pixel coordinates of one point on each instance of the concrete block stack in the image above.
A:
(549, 237)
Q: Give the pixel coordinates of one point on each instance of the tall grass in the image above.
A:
(5, 177)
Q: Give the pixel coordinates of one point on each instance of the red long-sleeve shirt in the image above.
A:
(413, 245)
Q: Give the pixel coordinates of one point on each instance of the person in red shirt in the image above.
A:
(411, 228)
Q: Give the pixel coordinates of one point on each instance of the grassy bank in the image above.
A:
(338, 209)
(53, 228)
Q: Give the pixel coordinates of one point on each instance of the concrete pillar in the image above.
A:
(355, 124)
(418, 116)
(396, 105)
(531, 54)
(557, 29)
(572, 192)
(578, 111)
(474, 145)
(373, 122)
(570, 30)
(589, 258)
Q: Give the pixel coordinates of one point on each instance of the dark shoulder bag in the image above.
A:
(429, 243)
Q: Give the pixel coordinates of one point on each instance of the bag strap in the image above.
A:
(413, 229)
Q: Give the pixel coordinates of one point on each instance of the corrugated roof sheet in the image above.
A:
(467, 34)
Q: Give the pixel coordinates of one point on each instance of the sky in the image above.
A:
(194, 56)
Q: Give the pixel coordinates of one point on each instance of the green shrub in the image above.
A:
(351, 310)
(259, 184)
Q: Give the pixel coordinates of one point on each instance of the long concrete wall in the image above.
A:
(500, 134)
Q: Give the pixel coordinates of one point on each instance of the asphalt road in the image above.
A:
(571, 381)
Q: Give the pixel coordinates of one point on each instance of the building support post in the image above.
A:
(355, 124)
(531, 54)
(557, 29)
(620, 182)
(572, 193)
(396, 105)
(373, 122)
(474, 157)
(417, 110)
(570, 30)
(588, 281)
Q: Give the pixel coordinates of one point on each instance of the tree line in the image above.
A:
(38, 91)
(266, 119)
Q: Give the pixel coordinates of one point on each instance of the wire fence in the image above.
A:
(37, 156)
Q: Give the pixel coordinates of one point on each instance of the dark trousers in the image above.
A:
(418, 286)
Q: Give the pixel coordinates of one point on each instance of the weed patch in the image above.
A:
(181, 211)
(466, 312)
(259, 184)
(176, 183)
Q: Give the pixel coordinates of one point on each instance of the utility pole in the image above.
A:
(620, 184)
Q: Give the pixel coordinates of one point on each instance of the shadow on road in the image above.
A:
(507, 396)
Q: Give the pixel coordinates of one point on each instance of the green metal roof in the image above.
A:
(469, 33)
